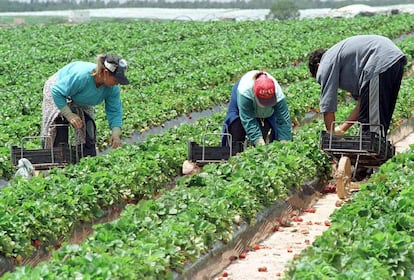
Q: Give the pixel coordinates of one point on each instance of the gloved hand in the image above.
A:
(283, 141)
(259, 142)
(116, 137)
(71, 117)
(338, 131)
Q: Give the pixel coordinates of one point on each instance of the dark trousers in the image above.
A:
(62, 135)
(238, 132)
(378, 99)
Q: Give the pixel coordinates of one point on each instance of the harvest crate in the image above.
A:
(42, 159)
(368, 149)
(205, 154)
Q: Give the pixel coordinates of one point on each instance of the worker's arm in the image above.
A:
(62, 90)
(248, 118)
(329, 118)
(328, 77)
(353, 116)
(113, 108)
(284, 125)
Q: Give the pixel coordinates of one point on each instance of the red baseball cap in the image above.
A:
(265, 91)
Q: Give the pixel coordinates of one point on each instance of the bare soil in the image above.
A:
(269, 259)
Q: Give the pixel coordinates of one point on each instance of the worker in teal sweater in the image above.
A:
(70, 94)
(257, 110)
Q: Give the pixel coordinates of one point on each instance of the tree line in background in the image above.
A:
(41, 5)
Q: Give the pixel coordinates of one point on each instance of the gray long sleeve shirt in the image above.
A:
(351, 64)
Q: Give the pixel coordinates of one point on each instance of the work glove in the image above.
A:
(259, 142)
(338, 131)
(116, 137)
(283, 141)
(71, 117)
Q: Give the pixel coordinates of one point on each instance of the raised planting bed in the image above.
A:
(167, 237)
(372, 235)
(42, 251)
(247, 235)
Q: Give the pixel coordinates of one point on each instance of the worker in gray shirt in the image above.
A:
(370, 68)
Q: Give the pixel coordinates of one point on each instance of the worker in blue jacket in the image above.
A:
(257, 110)
(70, 95)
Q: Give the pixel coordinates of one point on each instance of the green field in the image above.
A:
(178, 68)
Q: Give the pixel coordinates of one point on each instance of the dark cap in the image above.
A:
(264, 91)
(117, 66)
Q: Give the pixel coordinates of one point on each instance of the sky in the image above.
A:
(122, 1)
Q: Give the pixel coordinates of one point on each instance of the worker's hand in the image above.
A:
(259, 142)
(283, 141)
(116, 137)
(71, 117)
(338, 131)
(74, 120)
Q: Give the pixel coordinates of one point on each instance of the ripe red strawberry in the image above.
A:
(242, 256)
(36, 243)
(298, 219)
(330, 188)
(262, 269)
(232, 258)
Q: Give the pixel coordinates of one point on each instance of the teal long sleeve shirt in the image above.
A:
(75, 82)
(249, 111)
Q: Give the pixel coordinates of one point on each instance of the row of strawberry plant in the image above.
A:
(371, 236)
(158, 239)
(169, 79)
(178, 263)
(102, 182)
(58, 269)
(45, 210)
(83, 190)
(100, 166)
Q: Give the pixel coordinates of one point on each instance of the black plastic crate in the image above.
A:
(199, 153)
(371, 149)
(46, 158)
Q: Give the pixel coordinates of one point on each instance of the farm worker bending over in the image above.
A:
(370, 67)
(258, 110)
(70, 94)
